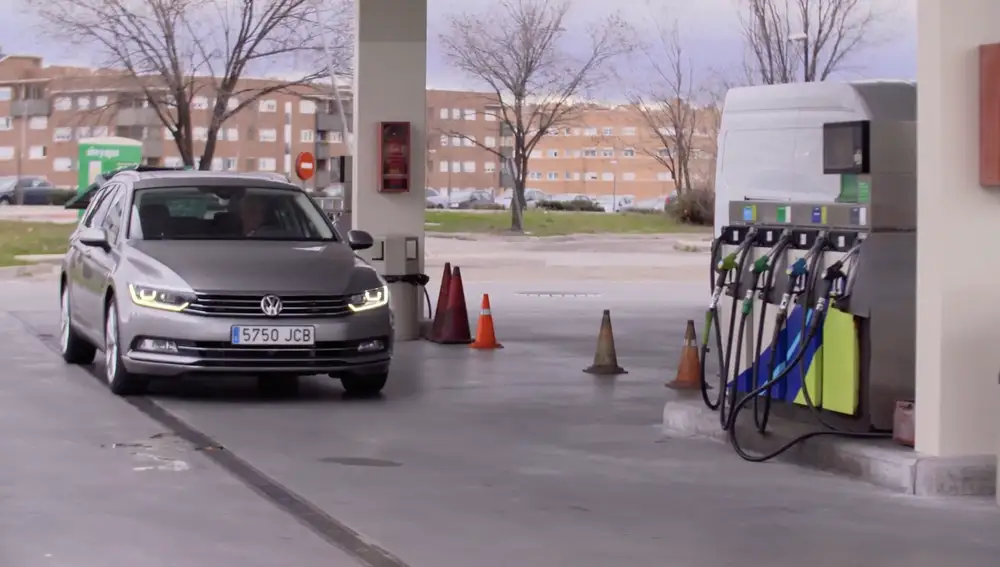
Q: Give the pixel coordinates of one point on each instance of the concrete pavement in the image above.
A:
(511, 457)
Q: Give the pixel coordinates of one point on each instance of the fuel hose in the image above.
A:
(762, 267)
(734, 261)
(833, 274)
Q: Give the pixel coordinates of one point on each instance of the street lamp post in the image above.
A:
(801, 40)
(614, 186)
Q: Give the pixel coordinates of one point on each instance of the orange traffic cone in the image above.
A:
(605, 358)
(486, 337)
(689, 369)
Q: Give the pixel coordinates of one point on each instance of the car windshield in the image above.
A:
(227, 213)
(7, 183)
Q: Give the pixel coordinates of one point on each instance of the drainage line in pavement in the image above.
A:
(332, 531)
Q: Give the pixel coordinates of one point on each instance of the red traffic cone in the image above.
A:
(442, 303)
(455, 319)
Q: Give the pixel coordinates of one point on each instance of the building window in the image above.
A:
(628, 176)
(664, 152)
(173, 161)
(443, 167)
(6, 93)
(456, 166)
(307, 107)
(536, 154)
(664, 176)
(469, 141)
(608, 152)
(628, 152)
(552, 132)
(591, 176)
(553, 176)
(6, 123)
(456, 114)
(232, 134)
(567, 131)
(82, 132)
(469, 114)
(268, 135)
(456, 141)
(62, 164)
(199, 103)
(590, 132)
(83, 103)
(167, 134)
(490, 114)
(489, 167)
(608, 131)
(229, 163)
(62, 134)
(445, 140)
(667, 132)
(607, 176)
(469, 167)
(63, 103)
(6, 153)
(535, 176)
(444, 114)
(577, 131)
(553, 153)
(101, 101)
(335, 137)
(628, 131)
(590, 152)
(38, 122)
(576, 177)
(232, 103)
(307, 137)
(268, 106)
(36, 152)
(267, 164)
(490, 142)
(200, 134)
(102, 131)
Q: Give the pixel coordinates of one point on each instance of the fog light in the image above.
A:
(371, 346)
(158, 345)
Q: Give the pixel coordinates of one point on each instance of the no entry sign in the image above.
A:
(305, 166)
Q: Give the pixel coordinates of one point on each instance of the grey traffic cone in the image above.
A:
(605, 358)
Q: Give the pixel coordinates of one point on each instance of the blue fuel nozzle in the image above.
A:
(798, 269)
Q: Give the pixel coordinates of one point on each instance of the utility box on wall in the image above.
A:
(989, 115)
(394, 157)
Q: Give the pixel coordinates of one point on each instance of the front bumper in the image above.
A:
(204, 345)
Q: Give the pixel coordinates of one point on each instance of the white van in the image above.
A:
(771, 137)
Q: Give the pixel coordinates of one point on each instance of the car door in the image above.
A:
(95, 261)
(77, 271)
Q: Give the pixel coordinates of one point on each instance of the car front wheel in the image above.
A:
(74, 348)
(364, 385)
(120, 381)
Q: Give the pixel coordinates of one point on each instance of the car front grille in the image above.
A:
(324, 354)
(248, 306)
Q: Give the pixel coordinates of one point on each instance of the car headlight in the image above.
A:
(157, 298)
(370, 299)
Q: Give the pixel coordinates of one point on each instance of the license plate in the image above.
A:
(282, 336)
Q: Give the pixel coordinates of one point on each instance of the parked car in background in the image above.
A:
(435, 200)
(35, 190)
(531, 197)
(476, 200)
(614, 204)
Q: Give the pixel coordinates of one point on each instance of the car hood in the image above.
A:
(250, 266)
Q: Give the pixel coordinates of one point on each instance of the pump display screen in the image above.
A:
(845, 148)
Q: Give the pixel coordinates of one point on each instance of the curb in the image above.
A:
(697, 246)
(27, 271)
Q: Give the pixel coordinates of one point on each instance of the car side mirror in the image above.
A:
(359, 240)
(95, 237)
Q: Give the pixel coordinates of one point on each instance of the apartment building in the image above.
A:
(600, 151)
(44, 111)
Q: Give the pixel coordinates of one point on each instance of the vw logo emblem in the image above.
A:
(271, 305)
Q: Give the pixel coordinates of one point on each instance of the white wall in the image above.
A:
(958, 272)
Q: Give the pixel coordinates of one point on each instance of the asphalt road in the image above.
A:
(508, 457)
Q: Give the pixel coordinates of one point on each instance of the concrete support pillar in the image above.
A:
(390, 84)
(958, 261)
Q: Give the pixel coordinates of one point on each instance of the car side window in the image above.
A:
(96, 203)
(112, 221)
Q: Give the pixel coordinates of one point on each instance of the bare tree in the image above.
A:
(515, 49)
(172, 51)
(667, 106)
(805, 40)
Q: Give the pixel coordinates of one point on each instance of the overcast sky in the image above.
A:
(709, 28)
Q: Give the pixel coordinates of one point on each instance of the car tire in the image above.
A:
(120, 381)
(278, 386)
(74, 348)
(364, 385)
(4, 201)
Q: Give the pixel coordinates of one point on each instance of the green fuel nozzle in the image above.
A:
(761, 264)
(728, 263)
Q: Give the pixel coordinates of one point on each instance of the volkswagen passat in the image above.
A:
(177, 272)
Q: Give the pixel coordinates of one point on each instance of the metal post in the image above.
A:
(18, 190)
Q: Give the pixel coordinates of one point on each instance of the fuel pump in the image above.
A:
(732, 265)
